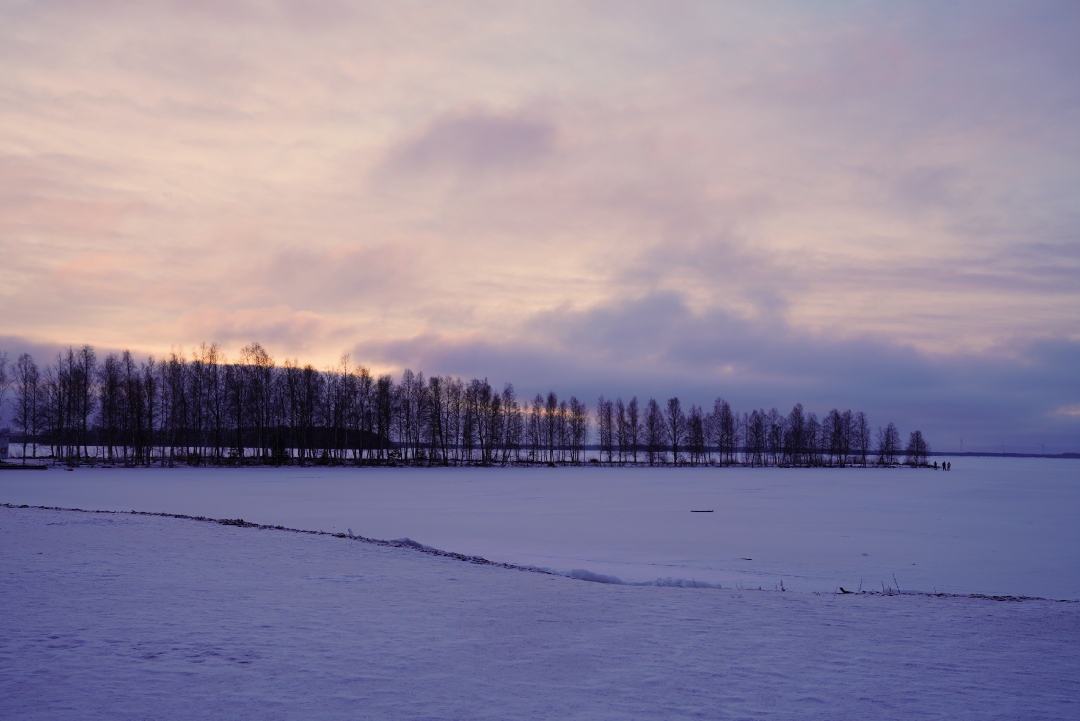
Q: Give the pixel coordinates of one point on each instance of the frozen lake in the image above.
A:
(994, 526)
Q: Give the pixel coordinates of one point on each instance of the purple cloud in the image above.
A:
(474, 141)
(656, 346)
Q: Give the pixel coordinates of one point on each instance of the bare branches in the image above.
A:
(888, 445)
(655, 433)
(605, 426)
(917, 449)
(675, 428)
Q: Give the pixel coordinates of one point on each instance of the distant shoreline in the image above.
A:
(984, 454)
(42, 462)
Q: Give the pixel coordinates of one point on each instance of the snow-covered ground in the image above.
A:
(120, 616)
(993, 526)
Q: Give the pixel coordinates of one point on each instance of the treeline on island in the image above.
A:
(207, 410)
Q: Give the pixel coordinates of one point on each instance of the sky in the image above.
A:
(846, 204)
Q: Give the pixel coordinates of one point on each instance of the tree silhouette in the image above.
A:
(676, 427)
(888, 445)
(655, 432)
(27, 412)
(917, 449)
(203, 408)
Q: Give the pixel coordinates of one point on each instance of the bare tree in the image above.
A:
(27, 413)
(633, 428)
(514, 425)
(485, 418)
(259, 369)
(419, 399)
(795, 443)
(655, 432)
(834, 431)
(676, 427)
(345, 397)
(536, 429)
(551, 425)
(562, 430)
(363, 412)
(605, 427)
(888, 445)
(454, 418)
(847, 432)
(578, 422)
(84, 396)
(724, 435)
(5, 379)
(212, 361)
(917, 449)
(754, 441)
(109, 403)
(436, 431)
(171, 374)
(695, 435)
(56, 411)
(236, 388)
(132, 415)
(384, 415)
(291, 389)
(774, 436)
(150, 392)
(622, 431)
(861, 437)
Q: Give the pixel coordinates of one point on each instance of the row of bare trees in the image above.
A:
(757, 438)
(205, 409)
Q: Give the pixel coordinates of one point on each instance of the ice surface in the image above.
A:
(134, 617)
(994, 526)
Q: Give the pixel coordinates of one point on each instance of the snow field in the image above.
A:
(131, 617)
(991, 526)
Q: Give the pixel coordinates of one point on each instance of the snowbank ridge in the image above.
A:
(579, 574)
